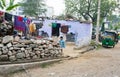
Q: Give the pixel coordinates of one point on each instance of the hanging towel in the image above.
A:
(18, 25)
(55, 30)
(64, 29)
(8, 17)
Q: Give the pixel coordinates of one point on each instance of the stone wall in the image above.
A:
(28, 49)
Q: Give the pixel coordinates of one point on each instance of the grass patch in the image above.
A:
(97, 46)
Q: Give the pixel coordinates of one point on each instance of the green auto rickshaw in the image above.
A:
(109, 38)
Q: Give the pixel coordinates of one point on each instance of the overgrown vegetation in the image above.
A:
(97, 46)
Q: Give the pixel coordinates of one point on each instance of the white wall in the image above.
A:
(84, 30)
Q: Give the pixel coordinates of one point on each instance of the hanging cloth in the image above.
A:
(1, 13)
(19, 25)
(32, 27)
(8, 17)
(64, 29)
(55, 30)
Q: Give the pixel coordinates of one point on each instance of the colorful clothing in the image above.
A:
(1, 13)
(62, 43)
(55, 30)
(25, 19)
(18, 25)
(54, 25)
(32, 27)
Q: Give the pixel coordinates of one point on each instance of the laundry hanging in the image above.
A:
(64, 29)
(8, 17)
(55, 29)
(18, 24)
(32, 27)
(1, 13)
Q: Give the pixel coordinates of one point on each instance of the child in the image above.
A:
(62, 42)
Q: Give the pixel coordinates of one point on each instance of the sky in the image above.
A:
(58, 6)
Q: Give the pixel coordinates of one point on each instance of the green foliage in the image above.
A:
(117, 26)
(3, 3)
(8, 7)
(88, 8)
(12, 7)
(97, 46)
(33, 7)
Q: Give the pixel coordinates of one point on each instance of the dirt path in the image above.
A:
(98, 63)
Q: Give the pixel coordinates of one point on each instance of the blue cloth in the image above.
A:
(19, 25)
(25, 19)
(62, 43)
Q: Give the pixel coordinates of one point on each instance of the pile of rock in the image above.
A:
(28, 49)
(6, 29)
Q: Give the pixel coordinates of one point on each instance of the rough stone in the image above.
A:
(22, 49)
(9, 45)
(12, 58)
(16, 48)
(17, 38)
(36, 49)
(27, 55)
(35, 57)
(20, 55)
(10, 53)
(28, 58)
(5, 51)
(11, 48)
(1, 45)
(38, 41)
(7, 39)
(50, 46)
(4, 58)
(0, 52)
(14, 43)
(14, 52)
(20, 45)
(37, 52)
(28, 50)
(32, 54)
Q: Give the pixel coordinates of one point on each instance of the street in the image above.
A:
(104, 62)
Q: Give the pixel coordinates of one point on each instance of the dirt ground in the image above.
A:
(104, 62)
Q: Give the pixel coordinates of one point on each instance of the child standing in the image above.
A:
(62, 42)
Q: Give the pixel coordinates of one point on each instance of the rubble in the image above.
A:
(7, 39)
(11, 50)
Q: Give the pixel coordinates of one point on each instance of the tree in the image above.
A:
(88, 8)
(8, 7)
(33, 7)
(64, 17)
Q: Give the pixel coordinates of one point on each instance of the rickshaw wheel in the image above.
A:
(113, 46)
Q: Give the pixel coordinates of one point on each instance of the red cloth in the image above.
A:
(20, 18)
(1, 13)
